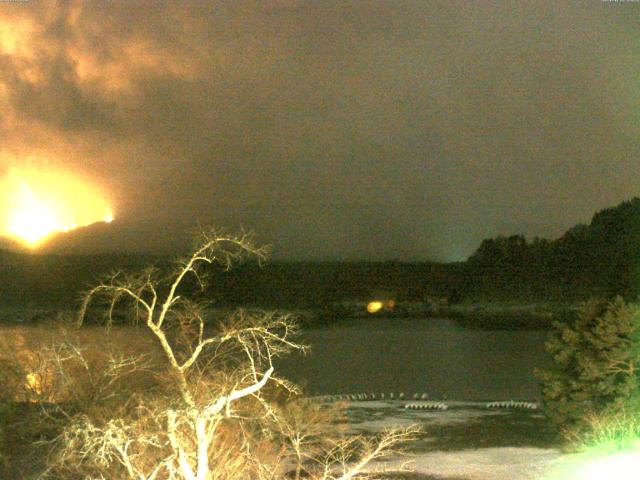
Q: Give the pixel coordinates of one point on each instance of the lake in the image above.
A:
(434, 356)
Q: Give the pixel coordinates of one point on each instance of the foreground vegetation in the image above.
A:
(192, 397)
(187, 400)
(593, 393)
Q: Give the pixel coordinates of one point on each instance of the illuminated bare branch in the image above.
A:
(219, 373)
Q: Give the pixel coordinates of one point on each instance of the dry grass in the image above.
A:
(30, 356)
(292, 435)
(608, 431)
(51, 373)
(175, 398)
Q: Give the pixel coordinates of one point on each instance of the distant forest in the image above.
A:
(601, 259)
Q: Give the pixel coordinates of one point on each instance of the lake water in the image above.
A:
(435, 356)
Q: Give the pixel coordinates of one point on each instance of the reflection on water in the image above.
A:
(435, 356)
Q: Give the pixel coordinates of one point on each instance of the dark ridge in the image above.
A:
(601, 259)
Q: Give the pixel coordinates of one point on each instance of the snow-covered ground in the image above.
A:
(512, 463)
(436, 456)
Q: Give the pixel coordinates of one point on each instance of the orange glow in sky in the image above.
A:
(35, 205)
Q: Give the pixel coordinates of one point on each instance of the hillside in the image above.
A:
(599, 259)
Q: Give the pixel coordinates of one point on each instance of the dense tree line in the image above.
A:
(601, 259)
(56, 280)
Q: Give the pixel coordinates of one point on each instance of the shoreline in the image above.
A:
(482, 315)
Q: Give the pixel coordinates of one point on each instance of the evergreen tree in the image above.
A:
(596, 355)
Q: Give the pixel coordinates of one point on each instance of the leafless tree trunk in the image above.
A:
(212, 372)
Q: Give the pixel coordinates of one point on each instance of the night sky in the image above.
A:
(333, 129)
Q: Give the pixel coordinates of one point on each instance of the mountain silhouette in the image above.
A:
(601, 259)
(117, 237)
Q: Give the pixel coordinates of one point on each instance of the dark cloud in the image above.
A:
(334, 129)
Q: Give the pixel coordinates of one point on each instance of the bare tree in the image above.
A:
(325, 457)
(218, 373)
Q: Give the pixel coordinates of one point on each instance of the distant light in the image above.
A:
(375, 306)
(108, 219)
(34, 383)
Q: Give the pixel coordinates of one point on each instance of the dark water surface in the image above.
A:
(435, 356)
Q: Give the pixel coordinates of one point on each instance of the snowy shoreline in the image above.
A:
(479, 453)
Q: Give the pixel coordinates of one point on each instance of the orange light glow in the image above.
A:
(36, 205)
(373, 307)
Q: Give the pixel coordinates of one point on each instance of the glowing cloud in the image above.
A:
(35, 205)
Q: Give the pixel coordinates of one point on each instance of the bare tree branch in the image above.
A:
(217, 378)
